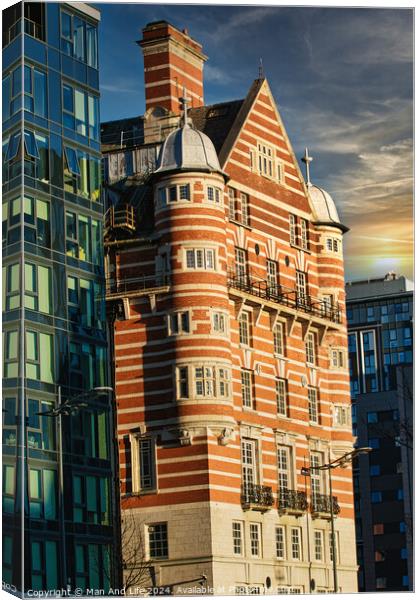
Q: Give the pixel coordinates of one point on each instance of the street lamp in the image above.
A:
(342, 462)
(69, 407)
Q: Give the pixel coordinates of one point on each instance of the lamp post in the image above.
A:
(342, 461)
(70, 406)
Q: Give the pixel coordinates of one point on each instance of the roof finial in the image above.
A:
(184, 101)
(307, 160)
(261, 70)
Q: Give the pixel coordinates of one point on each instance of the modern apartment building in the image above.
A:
(379, 314)
(58, 529)
(226, 294)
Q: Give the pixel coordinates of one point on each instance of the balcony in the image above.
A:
(321, 506)
(131, 287)
(292, 502)
(287, 297)
(256, 497)
(120, 218)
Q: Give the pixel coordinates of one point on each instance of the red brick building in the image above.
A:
(226, 293)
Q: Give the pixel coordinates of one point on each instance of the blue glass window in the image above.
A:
(376, 497)
(66, 34)
(91, 46)
(400, 494)
(6, 97)
(72, 162)
(373, 443)
(13, 147)
(31, 145)
(78, 38)
(403, 527)
(403, 553)
(374, 470)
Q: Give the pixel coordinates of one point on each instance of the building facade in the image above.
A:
(225, 293)
(379, 314)
(58, 530)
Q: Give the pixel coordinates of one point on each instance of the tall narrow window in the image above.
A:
(237, 538)
(249, 463)
(304, 234)
(316, 476)
(319, 545)
(240, 265)
(231, 205)
(283, 465)
(244, 209)
(246, 388)
(244, 329)
(278, 337)
(313, 404)
(292, 230)
(280, 542)
(296, 543)
(310, 348)
(182, 382)
(147, 463)
(255, 537)
(281, 397)
(300, 287)
(272, 276)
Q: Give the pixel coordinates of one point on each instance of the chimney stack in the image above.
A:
(172, 61)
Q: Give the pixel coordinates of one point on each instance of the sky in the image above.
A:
(343, 82)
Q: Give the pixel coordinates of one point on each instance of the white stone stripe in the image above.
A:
(175, 68)
(273, 134)
(296, 191)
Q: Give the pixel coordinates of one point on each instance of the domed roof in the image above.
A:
(188, 149)
(324, 207)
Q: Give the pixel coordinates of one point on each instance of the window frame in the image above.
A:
(282, 396)
(163, 541)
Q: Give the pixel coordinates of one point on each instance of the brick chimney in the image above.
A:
(172, 61)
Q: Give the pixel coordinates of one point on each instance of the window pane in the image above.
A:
(91, 47)
(50, 494)
(44, 287)
(45, 347)
(30, 144)
(51, 565)
(31, 346)
(79, 98)
(79, 38)
(68, 102)
(40, 93)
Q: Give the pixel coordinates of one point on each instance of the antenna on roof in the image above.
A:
(307, 160)
(261, 70)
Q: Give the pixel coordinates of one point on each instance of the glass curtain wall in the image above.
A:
(58, 495)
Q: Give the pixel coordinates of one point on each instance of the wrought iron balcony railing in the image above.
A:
(292, 501)
(321, 504)
(286, 296)
(136, 284)
(258, 497)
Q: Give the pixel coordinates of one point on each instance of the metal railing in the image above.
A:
(120, 218)
(321, 503)
(135, 284)
(256, 496)
(292, 501)
(286, 296)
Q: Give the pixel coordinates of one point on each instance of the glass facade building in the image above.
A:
(58, 499)
(380, 333)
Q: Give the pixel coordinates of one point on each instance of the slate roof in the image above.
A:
(214, 120)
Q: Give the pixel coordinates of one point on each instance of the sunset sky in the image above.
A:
(343, 82)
